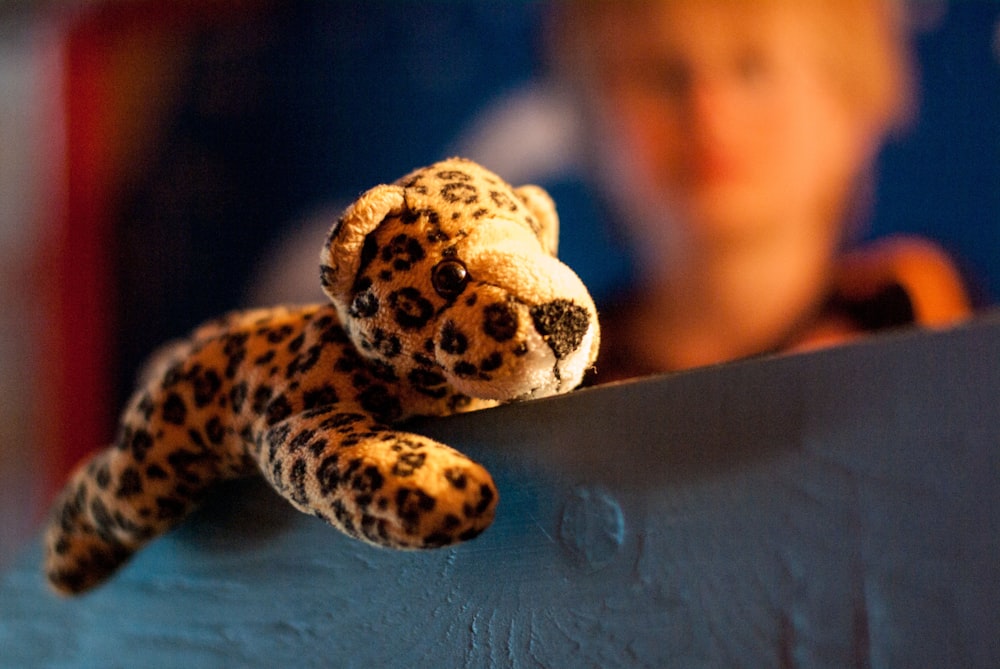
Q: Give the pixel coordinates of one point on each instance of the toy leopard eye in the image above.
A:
(449, 278)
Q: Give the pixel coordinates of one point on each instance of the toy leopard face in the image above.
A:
(457, 285)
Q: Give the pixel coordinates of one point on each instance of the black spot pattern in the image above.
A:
(342, 422)
(174, 409)
(369, 251)
(459, 192)
(500, 322)
(412, 505)
(367, 479)
(129, 483)
(408, 463)
(238, 395)
(386, 344)
(215, 430)
(453, 175)
(140, 443)
(457, 478)
(453, 340)
(265, 358)
(322, 396)
(326, 276)
(186, 465)
(428, 382)
(296, 344)
(364, 305)
(172, 376)
(381, 403)
(102, 476)
(156, 472)
(145, 407)
(492, 362)
(333, 333)
(465, 369)
(278, 335)
(278, 410)
(502, 201)
(301, 440)
(206, 385)
(261, 397)
(304, 362)
(411, 309)
(234, 348)
(403, 252)
(297, 479)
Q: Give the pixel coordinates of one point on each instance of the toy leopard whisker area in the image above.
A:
(446, 296)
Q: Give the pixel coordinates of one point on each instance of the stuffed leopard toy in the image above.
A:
(446, 297)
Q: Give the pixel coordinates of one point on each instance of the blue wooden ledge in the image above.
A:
(840, 508)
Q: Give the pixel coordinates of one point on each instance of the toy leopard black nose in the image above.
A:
(562, 325)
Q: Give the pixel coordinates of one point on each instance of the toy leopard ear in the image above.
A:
(341, 257)
(543, 209)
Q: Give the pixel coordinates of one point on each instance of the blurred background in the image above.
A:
(156, 158)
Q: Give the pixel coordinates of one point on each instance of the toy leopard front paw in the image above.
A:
(388, 488)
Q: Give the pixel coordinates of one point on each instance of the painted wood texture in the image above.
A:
(834, 509)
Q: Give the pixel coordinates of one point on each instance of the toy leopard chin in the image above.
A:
(446, 297)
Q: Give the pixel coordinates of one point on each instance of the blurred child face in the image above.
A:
(723, 117)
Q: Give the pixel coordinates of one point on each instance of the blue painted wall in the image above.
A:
(837, 509)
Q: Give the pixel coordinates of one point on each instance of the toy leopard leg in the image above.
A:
(389, 488)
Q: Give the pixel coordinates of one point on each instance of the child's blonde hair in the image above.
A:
(862, 44)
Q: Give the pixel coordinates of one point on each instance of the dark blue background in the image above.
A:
(943, 178)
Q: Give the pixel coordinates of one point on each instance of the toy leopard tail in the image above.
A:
(91, 533)
(152, 477)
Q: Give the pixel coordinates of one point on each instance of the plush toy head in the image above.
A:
(452, 270)
(446, 297)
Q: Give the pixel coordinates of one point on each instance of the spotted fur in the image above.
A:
(445, 297)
